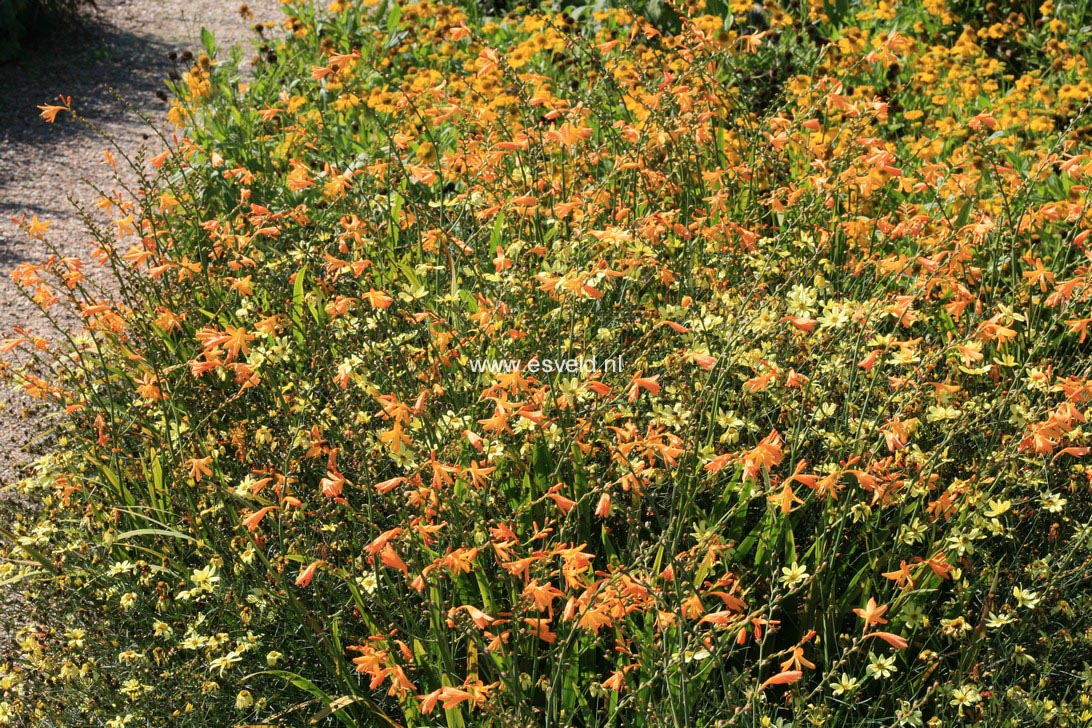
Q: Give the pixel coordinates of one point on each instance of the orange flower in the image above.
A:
(382, 541)
(479, 474)
(563, 504)
(254, 519)
(899, 643)
(872, 614)
(718, 463)
(199, 467)
(474, 439)
(541, 628)
(390, 558)
(870, 361)
(720, 618)
(939, 564)
(395, 437)
(543, 596)
(782, 678)
(802, 323)
(705, 361)
(456, 561)
(332, 484)
(598, 387)
(787, 497)
(602, 509)
(901, 576)
(797, 661)
(308, 573)
(378, 299)
(616, 681)
(765, 455)
(388, 485)
(50, 111)
(457, 33)
(38, 228)
(480, 619)
(450, 697)
(649, 384)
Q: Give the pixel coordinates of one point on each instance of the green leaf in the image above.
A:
(137, 532)
(34, 553)
(208, 42)
(469, 300)
(495, 235)
(298, 303)
(790, 544)
(964, 215)
(345, 701)
(394, 17)
(310, 688)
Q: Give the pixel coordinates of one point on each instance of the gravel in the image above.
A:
(122, 50)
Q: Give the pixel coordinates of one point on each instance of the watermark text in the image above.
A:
(550, 365)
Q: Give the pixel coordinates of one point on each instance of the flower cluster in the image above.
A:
(841, 248)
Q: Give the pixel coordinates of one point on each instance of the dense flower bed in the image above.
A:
(836, 253)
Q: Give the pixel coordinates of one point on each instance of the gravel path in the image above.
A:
(127, 46)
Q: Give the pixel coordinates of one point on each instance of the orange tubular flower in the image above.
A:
(872, 614)
(764, 456)
(899, 643)
(252, 521)
(308, 573)
(649, 384)
(786, 677)
(449, 696)
(541, 629)
(602, 508)
(199, 467)
(50, 111)
(390, 558)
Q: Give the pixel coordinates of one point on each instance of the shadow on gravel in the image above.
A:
(107, 72)
(84, 61)
(41, 164)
